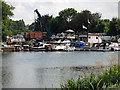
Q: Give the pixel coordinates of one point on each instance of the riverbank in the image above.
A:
(109, 79)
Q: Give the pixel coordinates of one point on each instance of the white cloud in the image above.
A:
(24, 9)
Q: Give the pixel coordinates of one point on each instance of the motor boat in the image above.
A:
(38, 46)
(114, 47)
(100, 47)
(60, 45)
(79, 45)
(25, 47)
(18, 47)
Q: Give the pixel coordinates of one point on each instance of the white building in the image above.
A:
(94, 38)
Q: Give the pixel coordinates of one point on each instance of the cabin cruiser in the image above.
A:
(79, 45)
(100, 47)
(7, 48)
(25, 47)
(114, 47)
(69, 48)
(18, 47)
(40, 46)
(60, 45)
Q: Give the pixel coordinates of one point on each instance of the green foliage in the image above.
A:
(99, 26)
(6, 13)
(68, 14)
(10, 27)
(67, 19)
(31, 27)
(114, 27)
(19, 25)
(84, 18)
(106, 80)
(70, 19)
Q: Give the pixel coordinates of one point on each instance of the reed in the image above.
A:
(106, 78)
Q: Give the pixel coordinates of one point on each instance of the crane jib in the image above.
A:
(40, 18)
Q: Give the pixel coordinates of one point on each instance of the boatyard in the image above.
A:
(69, 40)
(70, 43)
(48, 45)
(65, 41)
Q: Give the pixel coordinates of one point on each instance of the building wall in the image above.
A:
(94, 39)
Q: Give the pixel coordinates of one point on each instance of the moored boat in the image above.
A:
(60, 45)
(25, 47)
(79, 45)
(7, 48)
(18, 47)
(38, 46)
(114, 47)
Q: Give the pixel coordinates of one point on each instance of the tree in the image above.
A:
(107, 25)
(96, 15)
(118, 26)
(0, 21)
(114, 27)
(19, 25)
(99, 26)
(6, 13)
(82, 18)
(31, 26)
(68, 14)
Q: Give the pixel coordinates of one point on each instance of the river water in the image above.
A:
(45, 69)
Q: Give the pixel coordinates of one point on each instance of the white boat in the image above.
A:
(26, 47)
(38, 46)
(69, 48)
(100, 47)
(61, 45)
(18, 47)
(114, 47)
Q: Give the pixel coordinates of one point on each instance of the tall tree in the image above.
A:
(82, 19)
(114, 27)
(6, 13)
(99, 26)
(0, 21)
(68, 14)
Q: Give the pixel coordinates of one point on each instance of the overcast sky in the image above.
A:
(24, 9)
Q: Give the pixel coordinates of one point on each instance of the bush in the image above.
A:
(108, 79)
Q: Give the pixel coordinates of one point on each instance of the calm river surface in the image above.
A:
(45, 69)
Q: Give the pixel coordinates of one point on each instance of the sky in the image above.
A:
(24, 9)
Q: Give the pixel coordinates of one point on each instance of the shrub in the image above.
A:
(108, 79)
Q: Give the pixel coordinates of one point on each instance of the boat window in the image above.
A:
(41, 44)
(96, 37)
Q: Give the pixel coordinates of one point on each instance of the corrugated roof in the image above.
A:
(34, 35)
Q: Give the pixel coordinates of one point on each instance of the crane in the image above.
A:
(41, 19)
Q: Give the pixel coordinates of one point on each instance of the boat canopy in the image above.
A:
(79, 44)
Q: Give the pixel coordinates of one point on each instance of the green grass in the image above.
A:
(108, 79)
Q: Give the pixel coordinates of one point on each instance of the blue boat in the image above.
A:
(79, 44)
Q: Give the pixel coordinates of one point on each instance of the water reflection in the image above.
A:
(45, 69)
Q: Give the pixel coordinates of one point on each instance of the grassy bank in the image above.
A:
(104, 79)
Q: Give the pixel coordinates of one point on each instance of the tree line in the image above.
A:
(67, 19)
